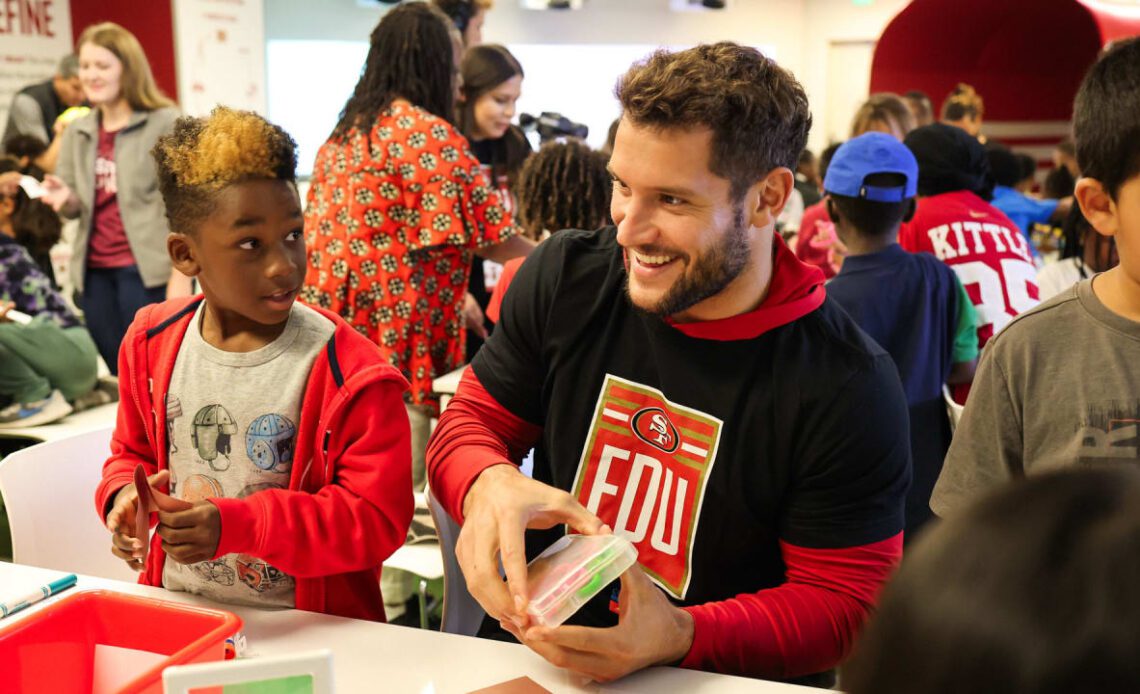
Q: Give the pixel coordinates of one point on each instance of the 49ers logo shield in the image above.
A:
(644, 471)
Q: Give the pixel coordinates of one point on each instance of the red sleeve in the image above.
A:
(496, 301)
(474, 433)
(129, 442)
(358, 518)
(804, 626)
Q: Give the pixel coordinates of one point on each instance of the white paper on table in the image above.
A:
(114, 667)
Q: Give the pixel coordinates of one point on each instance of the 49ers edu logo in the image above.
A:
(644, 470)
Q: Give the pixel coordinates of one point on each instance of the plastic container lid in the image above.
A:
(572, 571)
(58, 648)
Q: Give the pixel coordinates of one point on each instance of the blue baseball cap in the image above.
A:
(871, 153)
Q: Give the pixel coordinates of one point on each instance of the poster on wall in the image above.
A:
(220, 52)
(34, 36)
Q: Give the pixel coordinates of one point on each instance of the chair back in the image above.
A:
(49, 493)
(462, 614)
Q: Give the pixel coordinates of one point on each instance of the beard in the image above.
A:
(707, 275)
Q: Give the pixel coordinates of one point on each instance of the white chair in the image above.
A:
(953, 409)
(49, 493)
(422, 559)
(462, 614)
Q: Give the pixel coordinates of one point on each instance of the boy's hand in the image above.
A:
(192, 535)
(121, 521)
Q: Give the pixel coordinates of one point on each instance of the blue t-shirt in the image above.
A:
(909, 303)
(1023, 210)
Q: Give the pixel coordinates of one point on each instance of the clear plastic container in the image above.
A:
(572, 571)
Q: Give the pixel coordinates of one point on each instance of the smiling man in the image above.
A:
(686, 383)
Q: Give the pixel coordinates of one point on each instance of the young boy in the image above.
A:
(281, 424)
(911, 304)
(1058, 387)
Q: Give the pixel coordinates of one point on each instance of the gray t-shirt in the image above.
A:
(1060, 386)
(254, 397)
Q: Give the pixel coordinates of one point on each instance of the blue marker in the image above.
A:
(13, 606)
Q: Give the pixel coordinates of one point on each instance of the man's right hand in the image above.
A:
(121, 521)
(500, 505)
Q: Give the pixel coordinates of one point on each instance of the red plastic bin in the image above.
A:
(53, 650)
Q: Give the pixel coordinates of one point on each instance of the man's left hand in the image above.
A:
(650, 631)
(191, 536)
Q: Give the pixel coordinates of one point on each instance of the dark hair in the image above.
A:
(611, 136)
(565, 185)
(485, 67)
(1059, 183)
(202, 156)
(962, 102)
(949, 160)
(757, 111)
(1028, 165)
(25, 146)
(825, 158)
(1106, 117)
(1004, 165)
(460, 12)
(806, 158)
(36, 225)
(411, 56)
(1030, 590)
(870, 218)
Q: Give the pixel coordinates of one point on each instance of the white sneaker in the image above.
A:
(31, 414)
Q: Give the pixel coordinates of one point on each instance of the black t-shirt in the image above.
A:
(706, 451)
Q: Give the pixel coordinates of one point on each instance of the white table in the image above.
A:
(381, 657)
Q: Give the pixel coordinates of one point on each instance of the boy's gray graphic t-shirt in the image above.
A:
(231, 423)
(1059, 387)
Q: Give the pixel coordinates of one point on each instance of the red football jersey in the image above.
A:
(986, 250)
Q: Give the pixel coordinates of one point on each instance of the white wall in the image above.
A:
(799, 32)
(836, 21)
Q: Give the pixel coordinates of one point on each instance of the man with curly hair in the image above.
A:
(267, 418)
(686, 383)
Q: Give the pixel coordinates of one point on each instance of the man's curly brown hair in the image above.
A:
(757, 111)
(202, 156)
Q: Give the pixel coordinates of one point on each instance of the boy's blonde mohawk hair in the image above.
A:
(201, 156)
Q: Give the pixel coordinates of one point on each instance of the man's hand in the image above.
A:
(650, 631)
(500, 505)
(192, 535)
(121, 521)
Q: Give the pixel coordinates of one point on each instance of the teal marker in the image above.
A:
(9, 607)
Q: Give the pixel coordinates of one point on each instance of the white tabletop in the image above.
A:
(381, 657)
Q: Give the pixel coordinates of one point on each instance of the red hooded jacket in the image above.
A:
(349, 501)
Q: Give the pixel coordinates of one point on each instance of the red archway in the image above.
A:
(1025, 57)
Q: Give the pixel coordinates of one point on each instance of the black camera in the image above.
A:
(551, 126)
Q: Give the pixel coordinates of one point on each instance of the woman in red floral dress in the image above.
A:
(397, 206)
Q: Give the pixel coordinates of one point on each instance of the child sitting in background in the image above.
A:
(1034, 406)
(911, 304)
(564, 186)
(48, 362)
(282, 425)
